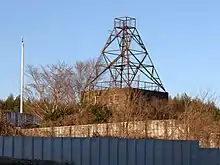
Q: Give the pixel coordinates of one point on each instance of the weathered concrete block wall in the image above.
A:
(156, 128)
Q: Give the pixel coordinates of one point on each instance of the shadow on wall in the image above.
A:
(9, 160)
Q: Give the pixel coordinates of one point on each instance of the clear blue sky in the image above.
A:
(182, 37)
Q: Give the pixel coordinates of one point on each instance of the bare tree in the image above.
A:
(49, 87)
(84, 73)
(58, 86)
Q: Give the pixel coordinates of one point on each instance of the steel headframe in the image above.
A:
(124, 60)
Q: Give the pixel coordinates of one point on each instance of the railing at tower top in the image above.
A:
(104, 85)
(122, 22)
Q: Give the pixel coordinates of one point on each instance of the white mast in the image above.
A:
(22, 75)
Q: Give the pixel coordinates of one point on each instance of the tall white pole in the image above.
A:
(22, 75)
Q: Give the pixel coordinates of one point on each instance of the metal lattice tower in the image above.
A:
(124, 60)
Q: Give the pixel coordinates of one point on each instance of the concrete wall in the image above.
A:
(165, 129)
(161, 129)
(103, 151)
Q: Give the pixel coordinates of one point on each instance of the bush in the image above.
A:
(100, 113)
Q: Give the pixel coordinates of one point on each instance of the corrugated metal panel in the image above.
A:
(102, 151)
(20, 119)
(209, 156)
(12, 117)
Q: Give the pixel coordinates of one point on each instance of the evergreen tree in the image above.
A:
(1, 104)
(9, 103)
(16, 104)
